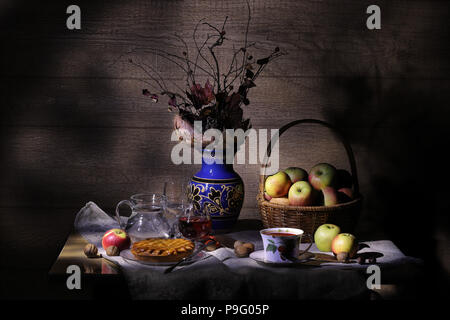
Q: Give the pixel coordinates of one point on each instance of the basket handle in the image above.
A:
(348, 149)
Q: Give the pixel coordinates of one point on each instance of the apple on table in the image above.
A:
(324, 235)
(344, 243)
(116, 237)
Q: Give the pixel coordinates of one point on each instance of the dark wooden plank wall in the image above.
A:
(75, 126)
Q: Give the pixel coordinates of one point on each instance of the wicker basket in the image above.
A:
(309, 218)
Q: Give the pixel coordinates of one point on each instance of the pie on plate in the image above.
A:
(162, 250)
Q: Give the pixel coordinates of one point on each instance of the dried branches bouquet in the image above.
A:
(217, 104)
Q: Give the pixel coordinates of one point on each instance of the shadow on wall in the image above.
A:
(44, 108)
(402, 120)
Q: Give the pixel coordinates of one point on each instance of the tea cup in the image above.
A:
(282, 245)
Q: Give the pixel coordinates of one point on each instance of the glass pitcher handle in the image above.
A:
(128, 203)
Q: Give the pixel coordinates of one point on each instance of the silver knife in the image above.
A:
(199, 249)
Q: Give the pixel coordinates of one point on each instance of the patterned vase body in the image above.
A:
(220, 189)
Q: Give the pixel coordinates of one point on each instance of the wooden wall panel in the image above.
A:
(75, 126)
(321, 37)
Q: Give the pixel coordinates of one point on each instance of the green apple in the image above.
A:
(296, 174)
(344, 242)
(301, 194)
(324, 235)
(278, 185)
(322, 175)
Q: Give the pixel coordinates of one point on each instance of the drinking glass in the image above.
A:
(177, 203)
(195, 224)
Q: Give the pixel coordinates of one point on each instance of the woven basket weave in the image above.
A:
(309, 218)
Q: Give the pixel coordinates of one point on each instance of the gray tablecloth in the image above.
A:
(224, 276)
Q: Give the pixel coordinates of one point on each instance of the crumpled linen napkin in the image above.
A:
(224, 276)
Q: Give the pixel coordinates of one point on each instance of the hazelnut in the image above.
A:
(250, 246)
(241, 251)
(90, 250)
(238, 243)
(342, 256)
(372, 260)
(361, 260)
(112, 251)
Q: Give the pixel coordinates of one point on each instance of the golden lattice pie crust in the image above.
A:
(162, 250)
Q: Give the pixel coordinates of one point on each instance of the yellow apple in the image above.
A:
(278, 185)
(283, 201)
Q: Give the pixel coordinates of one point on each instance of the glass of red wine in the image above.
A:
(194, 224)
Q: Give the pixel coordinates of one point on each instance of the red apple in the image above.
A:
(284, 201)
(344, 179)
(296, 174)
(345, 195)
(330, 196)
(344, 242)
(116, 237)
(278, 185)
(266, 196)
(301, 194)
(322, 175)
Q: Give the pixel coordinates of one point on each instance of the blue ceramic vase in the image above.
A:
(218, 189)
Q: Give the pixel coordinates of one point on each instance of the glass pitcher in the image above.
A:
(147, 218)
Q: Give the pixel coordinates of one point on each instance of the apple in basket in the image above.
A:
(278, 185)
(116, 237)
(266, 196)
(284, 201)
(296, 174)
(344, 179)
(324, 235)
(330, 196)
(345, 195)
(322, 175)
(301, 194)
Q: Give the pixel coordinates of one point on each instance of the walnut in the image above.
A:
(90, 250)
(238, 243)
(112, 251)
(241, 251)
(250, 246)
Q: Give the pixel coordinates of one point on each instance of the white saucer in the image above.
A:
(259, 257)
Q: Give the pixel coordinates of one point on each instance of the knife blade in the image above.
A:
(196, 252)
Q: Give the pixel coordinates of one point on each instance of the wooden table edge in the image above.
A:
(72, 254)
